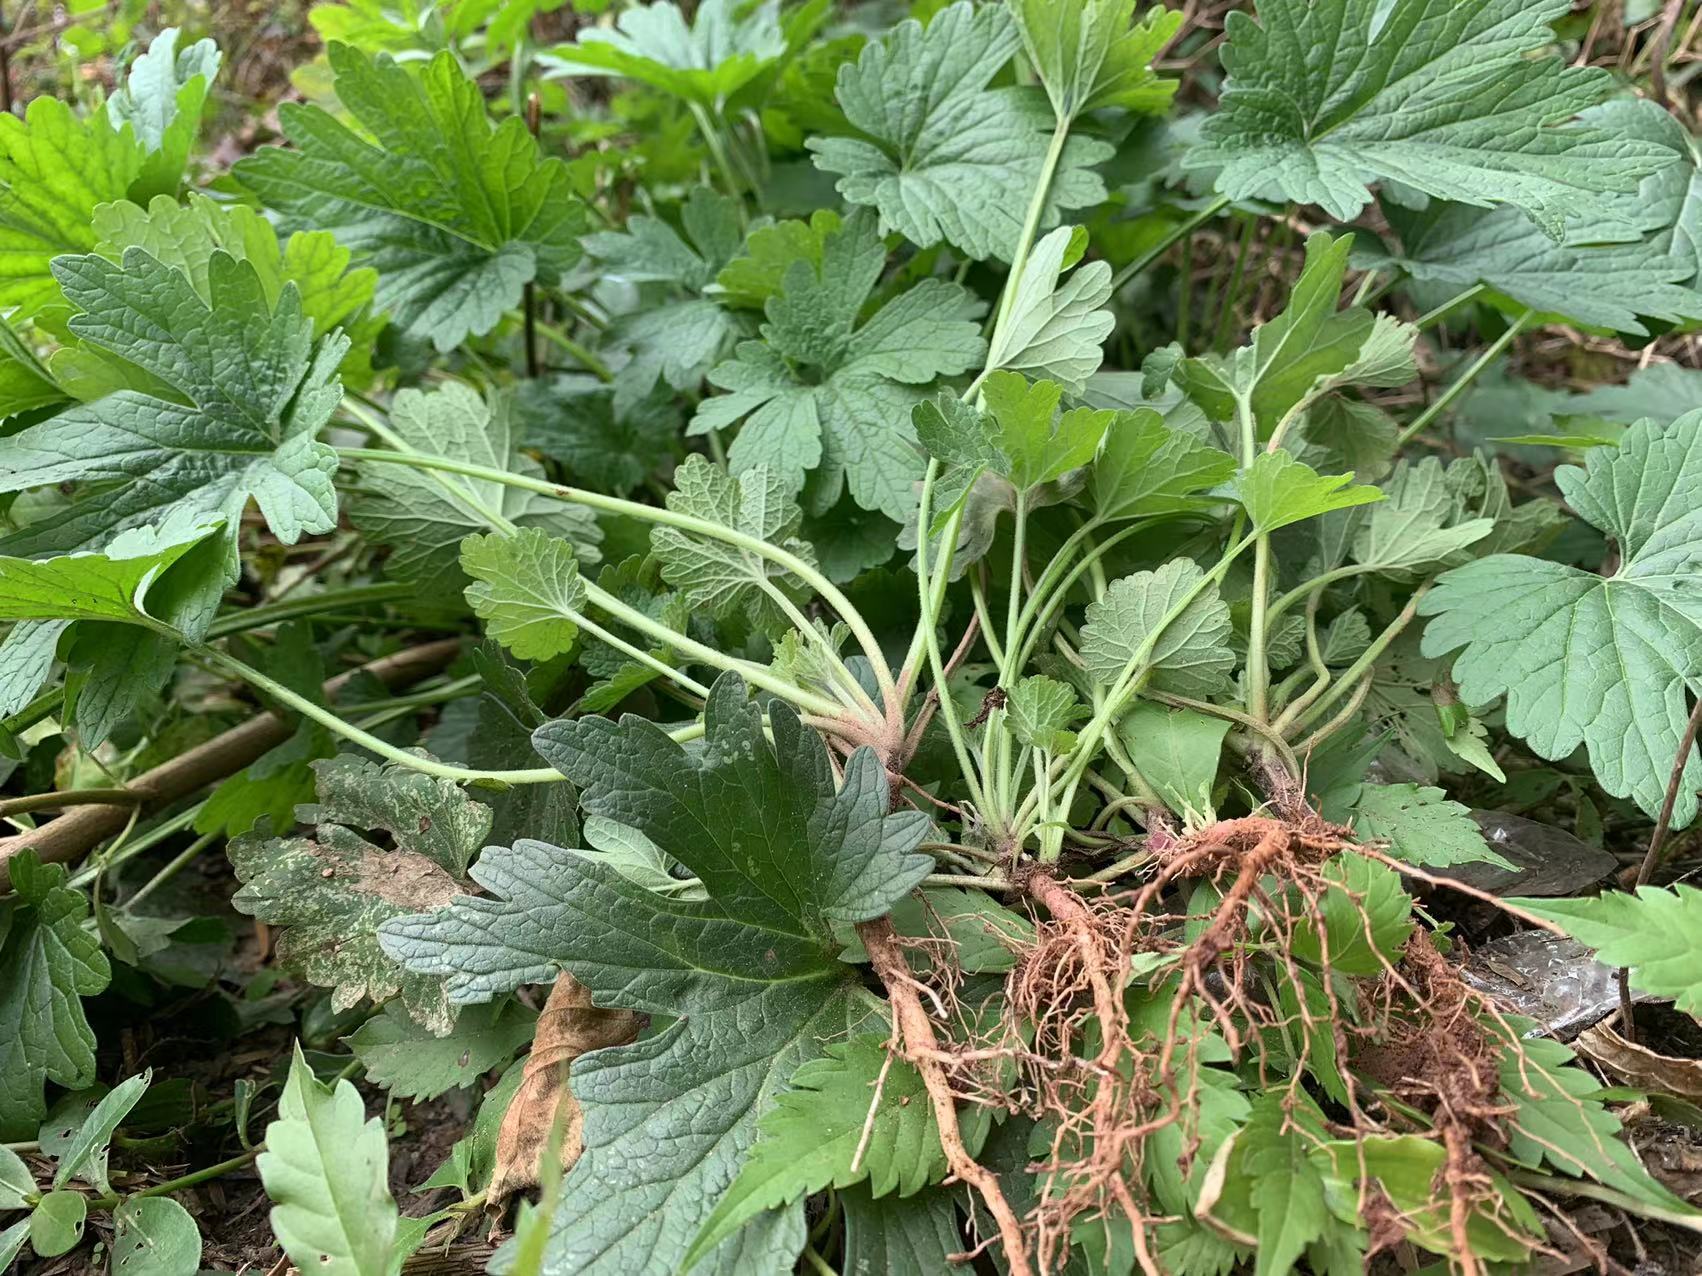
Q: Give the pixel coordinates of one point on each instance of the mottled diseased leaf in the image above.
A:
(332, 891)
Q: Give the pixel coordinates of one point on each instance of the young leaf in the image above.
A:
(1441, 96)
(1366, 919)
(1586, 659)
(1309, 348)
(810, 1139)
(527, 590)
(161, 101)
(1088, 57)
(155, 1236)
(939, 153)
(186, 237)
(412, 1063)
(333, 891)
(1277, 490)
(960, 437)
(1146, 468)
(719, 576)
(326, 1168)
(1177, 751)
(1040, 712)
(1422, 826)
(86, 1155)
(48, 962)
(1038, 444)
(456, 214)
(1055, 330)
(1165, 622)
(726, 45)
(1656, 933)
(1416, 529)
(55, 170)
(750, 978)
(829, 391)
(424, 516)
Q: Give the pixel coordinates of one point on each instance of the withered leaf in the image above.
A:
(568, 1027)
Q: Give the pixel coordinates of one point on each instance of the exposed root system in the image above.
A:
(1070, 1053)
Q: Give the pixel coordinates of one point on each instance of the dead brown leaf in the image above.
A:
(1641, 1066)
(568, 1027)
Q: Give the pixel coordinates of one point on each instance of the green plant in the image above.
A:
(1023, 769)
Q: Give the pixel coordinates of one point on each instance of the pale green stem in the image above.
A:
(978, 596)
(307, 605)
(173, 868)
(633, 652)
(1346, 680)
(1158, 250)
(348, 731)
(1459, 384)
(1431, 317)
(1361, 689)
(717, 149)
(1125, 686)
(1030, 228)
(457, 492)
(826, 589)
(755, 674)
(1033, 626)
(930, 626)
(581, 354)
(1258, 669)
(1013, 605)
